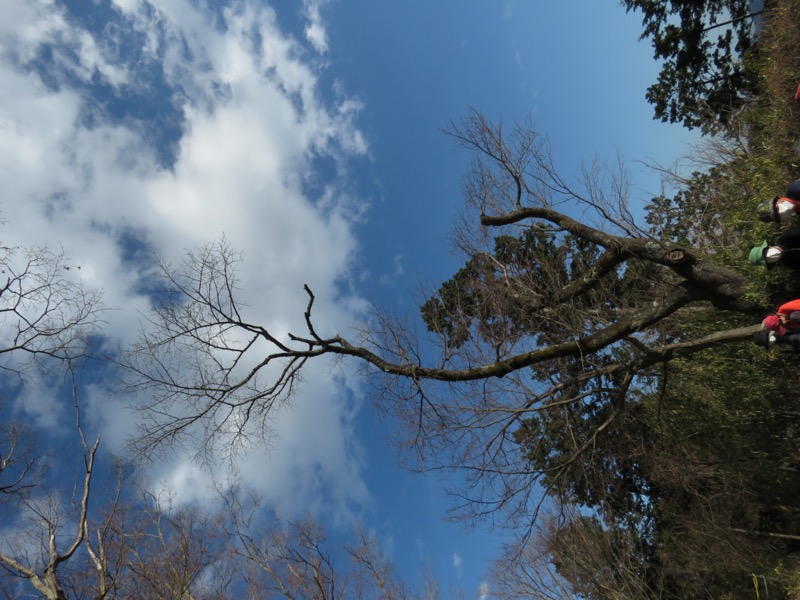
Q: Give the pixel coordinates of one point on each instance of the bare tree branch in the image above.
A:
(551, 314)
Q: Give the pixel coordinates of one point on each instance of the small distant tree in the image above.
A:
(164, 551)
(44, 546)
(296, 559)
(704, 44)
(572, 556)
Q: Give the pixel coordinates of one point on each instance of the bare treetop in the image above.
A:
(564, 301)
(46, 312)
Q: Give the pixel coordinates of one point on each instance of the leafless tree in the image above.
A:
(296, 560)
(42, 549)
(293, 562)
(528, 572)
(16, 462)
(584, 319)
(167, 551)
(143, 545)
(570, 556)
(46, 319)
(128, 547)
(45, 310)
(375, 574)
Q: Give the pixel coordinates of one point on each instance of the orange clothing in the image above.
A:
(789, 307)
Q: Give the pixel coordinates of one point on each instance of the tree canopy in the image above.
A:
(705, 46)
(564, 372)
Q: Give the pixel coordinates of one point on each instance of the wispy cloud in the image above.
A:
(315, 30)
(231, 151)
(390, 278)
(457, 561)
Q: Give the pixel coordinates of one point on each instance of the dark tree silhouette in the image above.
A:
(704, 77)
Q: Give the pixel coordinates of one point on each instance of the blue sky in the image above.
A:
(309, 135)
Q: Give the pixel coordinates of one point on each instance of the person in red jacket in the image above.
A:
(781, 328)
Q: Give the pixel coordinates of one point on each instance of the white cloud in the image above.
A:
(253, 124)
(457, 562)
(41, 406)
(390, 279)
(484, 590)
(315, 30)
(37, 23)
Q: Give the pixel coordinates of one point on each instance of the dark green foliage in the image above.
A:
(678, 475)
(687, 217)
(703, 43)
(678, 479)
(507, 294)
(610, 569)
(715, 211)
(673, 481)
(487, 293)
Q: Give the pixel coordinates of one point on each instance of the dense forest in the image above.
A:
(589, 371)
